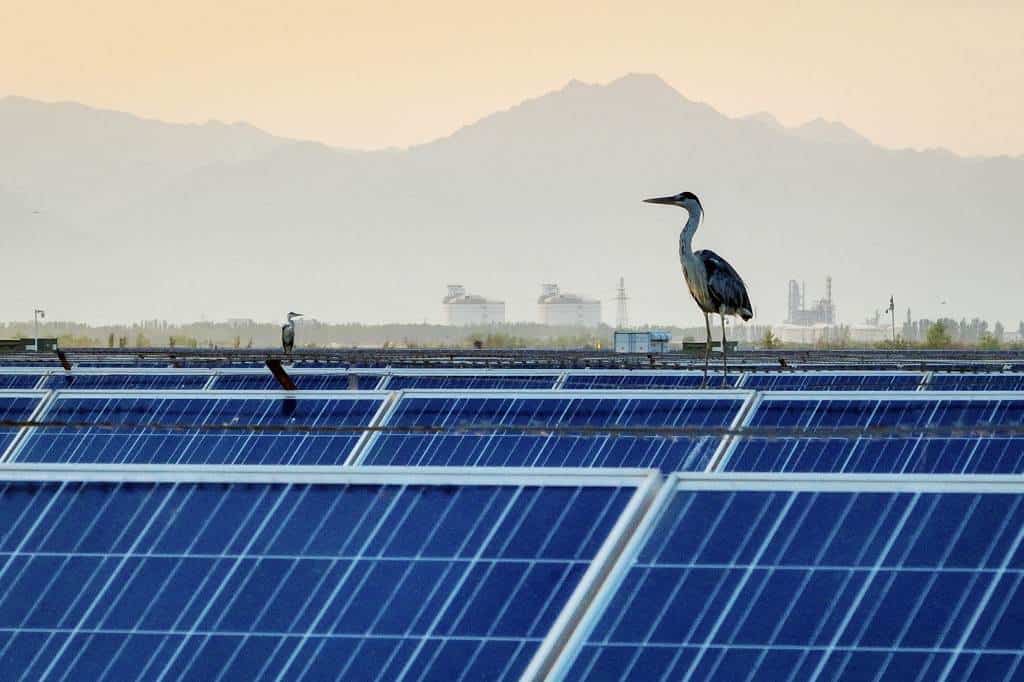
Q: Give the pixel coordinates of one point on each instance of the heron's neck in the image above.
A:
(686, 236)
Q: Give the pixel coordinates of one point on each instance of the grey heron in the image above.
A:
(288, 333)
(714, 284)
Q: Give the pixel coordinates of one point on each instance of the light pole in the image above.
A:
(36, 314)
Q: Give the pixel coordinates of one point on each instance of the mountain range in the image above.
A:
(105, 216)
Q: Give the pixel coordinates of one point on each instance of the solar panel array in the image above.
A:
(938, 426)
(551, 429)
(383, 523)
(199, 428)
(190, 580)
(755, 580)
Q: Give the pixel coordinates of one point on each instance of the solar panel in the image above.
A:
(745, 579)
(977, 382)
(19, 381)
(304, 381)
(200, 428)
(134, 381)
(552, 428)
(643, 380)
(399, 382)
(240, 575)
(834, 442)
(833, 381)
(16, 407)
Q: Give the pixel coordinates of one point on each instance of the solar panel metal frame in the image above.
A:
(747, 399)
(131, 371)
(44, 399)
(39, 373)
(740, 374)
(206, 394)
(922, 376)
(933, 375)
(698, 482)
(557, 374)
(730, 443)
(647, 484)
(293, 372)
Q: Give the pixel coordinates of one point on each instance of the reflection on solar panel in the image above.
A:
(400, 382)
(635, 381)
(977, 382)
(238, 578)
(264, 381)
(15, 408)
(785, 580)
(940, 453)
(127, 381)
(19, 381)
(833, 381)
(487, 414)
(198, 428)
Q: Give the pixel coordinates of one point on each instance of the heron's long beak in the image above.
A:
(661, 200)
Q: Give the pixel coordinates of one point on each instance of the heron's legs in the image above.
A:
(725, 355)
(707, 348)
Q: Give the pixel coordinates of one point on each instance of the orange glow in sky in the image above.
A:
(375, 74)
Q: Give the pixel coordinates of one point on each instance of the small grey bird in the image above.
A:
(714, 284)
(288, 333)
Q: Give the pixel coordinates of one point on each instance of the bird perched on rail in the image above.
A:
(288, 333)
(714, 284)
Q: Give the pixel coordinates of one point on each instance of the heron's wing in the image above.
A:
(725, 283)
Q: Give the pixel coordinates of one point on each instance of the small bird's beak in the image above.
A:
(660, 200)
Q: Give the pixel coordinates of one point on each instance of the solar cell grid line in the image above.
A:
(833, 381)
(263, 573)
(20, 381)
(888, 443)
(1003, 381)
(305, 380)
(204, 427)
(91, 380)
(15, 407)
(505, 428)
(635, 380)
(481, 381)
(744, 577)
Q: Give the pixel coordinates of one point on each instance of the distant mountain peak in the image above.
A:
(820, 130)
(764, 118)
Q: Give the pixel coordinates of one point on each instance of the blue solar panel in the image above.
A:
(304, 382)
(800, 581)
(819, 451)
(127, 381)
(833, 381)
(366, 577)
(574, 445)
(399, 382)
(199, 428)
(638, 381)
(19, 381)
(977, 382)
(15, 408)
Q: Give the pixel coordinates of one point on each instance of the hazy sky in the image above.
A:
(375, 74)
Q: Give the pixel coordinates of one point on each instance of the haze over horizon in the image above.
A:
(137, 219)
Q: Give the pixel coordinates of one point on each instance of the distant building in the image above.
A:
(642, 342)
(459, 309)
(556, 309)
(48, 344)
(822, 311)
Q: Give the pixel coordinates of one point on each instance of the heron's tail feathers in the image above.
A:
(746, 314)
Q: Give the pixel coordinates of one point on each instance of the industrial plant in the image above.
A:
(461, 309)
(557, 309)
